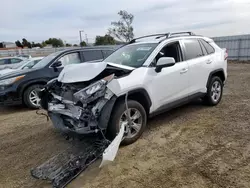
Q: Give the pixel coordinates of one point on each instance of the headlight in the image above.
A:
(11, 80)
(86, 92)
(93, 88)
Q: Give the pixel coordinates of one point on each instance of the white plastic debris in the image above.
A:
(111, 151)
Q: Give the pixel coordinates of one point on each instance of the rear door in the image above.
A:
(198, 63)
(171, 84)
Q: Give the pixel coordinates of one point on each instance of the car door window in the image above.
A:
(92, 55)
(106, 53)
(193, 49)
(15, 60)
(208, 47)
(72, 58)
(170, 50)
(203, 49)
(3, 61)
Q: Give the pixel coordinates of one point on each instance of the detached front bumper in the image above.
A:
(9, 96)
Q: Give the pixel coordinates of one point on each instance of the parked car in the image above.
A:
(20, 87)
(24, 56)
(10, 62)
(29, 63)
(137, 81)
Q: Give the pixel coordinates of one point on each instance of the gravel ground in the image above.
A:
(192, 146)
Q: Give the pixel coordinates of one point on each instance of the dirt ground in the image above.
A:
(193, 146)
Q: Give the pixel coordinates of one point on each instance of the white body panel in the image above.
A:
(171, 84)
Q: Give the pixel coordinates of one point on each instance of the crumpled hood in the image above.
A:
(85, 71)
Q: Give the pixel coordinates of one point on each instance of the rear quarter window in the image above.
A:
(207, 46)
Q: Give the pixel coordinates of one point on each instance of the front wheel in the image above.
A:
(135, 128)
(31, 98)
(214, 91)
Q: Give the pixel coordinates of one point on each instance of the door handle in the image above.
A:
(184, 70)
(209, 61)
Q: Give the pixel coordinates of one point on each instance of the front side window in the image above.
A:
(15, 60)
(193, 49)
(92, 55)
(72, 58)
(133, 55)
(170, 50)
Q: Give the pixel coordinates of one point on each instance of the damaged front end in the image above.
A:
(82, 107)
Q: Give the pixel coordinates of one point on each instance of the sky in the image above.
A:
(38, 20)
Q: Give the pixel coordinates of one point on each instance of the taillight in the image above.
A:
(226, 55)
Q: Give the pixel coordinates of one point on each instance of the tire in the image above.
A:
(28, 92)
(209, 99)
(118, 114)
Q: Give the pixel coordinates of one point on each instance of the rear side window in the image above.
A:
(208, 47)
(193, 49)
(106, 53)
(92, 55)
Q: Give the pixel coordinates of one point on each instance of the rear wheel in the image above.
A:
(214, 91)
(31, 98)
(133, 130)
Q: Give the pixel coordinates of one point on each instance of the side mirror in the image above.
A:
(164, 62)
(56, 64)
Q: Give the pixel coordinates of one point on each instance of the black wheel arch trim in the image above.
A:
(24, 86)
(108, 108)
(212, 73)
(144, 92)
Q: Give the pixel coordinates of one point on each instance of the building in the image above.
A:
(7, 45)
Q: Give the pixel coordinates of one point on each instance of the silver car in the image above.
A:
(10, 62)
(26, 64)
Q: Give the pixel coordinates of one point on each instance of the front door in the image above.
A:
(171, 84)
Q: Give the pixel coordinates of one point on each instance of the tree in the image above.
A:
(18, 44)
(36, 45)
(75, 45)
(123, 29)
(68, 45)
(54, 42)
(104, 40)
(43, 44)
(83, 43)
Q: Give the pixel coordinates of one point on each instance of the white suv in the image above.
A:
(137, 81)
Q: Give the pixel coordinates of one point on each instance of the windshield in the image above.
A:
(132, 55)
(45, 61)
(19, 66)
(30, 64)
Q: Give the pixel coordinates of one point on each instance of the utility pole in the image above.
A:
(80, 33)
(86, 39)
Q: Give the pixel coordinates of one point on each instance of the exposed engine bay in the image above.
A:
(84, 106)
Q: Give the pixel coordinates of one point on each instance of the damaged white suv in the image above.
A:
(139, 80)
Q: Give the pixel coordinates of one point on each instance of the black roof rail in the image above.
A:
(167, 35)
(146, 36)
